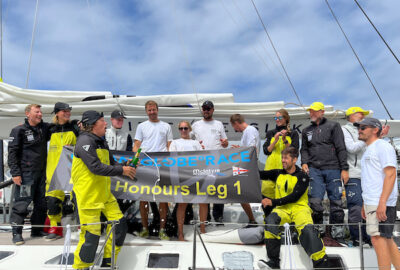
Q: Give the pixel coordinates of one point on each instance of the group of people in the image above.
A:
(333, 158)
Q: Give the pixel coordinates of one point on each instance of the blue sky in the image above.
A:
(210, 46)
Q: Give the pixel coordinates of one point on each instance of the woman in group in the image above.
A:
(185, 143)
(63, 132)
(277, 140)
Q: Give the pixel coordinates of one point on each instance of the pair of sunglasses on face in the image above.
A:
(364, 127)
(183, 128)
(206, 109)
(278, 118)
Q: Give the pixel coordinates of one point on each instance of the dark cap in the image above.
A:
(60, 106)
(117, 114)
(369, 121)
(90, 117)
(208, 104)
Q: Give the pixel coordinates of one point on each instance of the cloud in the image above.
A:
(180, 46)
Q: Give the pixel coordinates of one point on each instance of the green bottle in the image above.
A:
(135, 160)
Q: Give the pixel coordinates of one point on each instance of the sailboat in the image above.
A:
(223, 247)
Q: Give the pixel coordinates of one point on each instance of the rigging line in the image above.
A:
(277, 55)
(262, 44)
(258, 54)
(1, 40)
(32, 42)
(358, 59)
(377, 31)
(180, 39)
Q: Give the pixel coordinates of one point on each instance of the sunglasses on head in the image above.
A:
(278, 117)
(183, 128)
(364, 127)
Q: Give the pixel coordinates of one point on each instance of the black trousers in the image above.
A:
(31, 190)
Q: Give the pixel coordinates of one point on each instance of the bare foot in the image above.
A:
(181, 238)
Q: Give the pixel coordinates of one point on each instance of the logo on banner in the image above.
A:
(239, 171)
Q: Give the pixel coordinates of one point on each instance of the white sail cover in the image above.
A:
(172, 108)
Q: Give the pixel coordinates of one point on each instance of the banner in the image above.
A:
(210, 176)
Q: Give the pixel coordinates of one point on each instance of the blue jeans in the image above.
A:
(329, 181)
(354, 205)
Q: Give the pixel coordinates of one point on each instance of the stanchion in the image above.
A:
(113, 245)
(194, 245)
(361, 245)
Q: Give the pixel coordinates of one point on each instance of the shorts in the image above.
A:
(383, 228)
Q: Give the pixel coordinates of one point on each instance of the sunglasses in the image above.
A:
(278, 117)
(206, 109)
(183, 128)
(364, 127)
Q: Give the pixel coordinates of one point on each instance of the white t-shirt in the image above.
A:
(209, 133)
(250, 137)
(378, 155)
(154, 136)
(184, 145)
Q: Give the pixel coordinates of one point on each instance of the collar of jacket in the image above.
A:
(94, 136)
(115, 130)
(279, 128)
(295, 171)
(320, 123)
(32, 127)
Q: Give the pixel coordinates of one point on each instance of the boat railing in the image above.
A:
(196, 235)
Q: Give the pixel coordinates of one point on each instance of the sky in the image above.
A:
(207, 46)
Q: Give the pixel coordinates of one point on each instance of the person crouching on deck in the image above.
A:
(291, 205)
(92, 167)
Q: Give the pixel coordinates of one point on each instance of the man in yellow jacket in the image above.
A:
(92, 167)
(291, 205)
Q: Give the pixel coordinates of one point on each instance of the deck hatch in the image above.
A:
(163, 260)
(57, 259)
(5, 254)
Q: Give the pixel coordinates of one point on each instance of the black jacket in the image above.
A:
(300, 179)
(271, 133)
(85, 149)
(323, 147)
(27, 148)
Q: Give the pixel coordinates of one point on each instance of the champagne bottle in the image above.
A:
(135, 160)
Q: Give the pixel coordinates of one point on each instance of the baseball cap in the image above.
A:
(117, 114)
(316, 106)
(369, 121)
(90, 117)
(352, 110)
(207, 104)
(60, 106)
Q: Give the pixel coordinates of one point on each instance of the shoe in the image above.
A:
(35, 234)
(268, 265)
(323, 263)
(163, 235)
(106, 263)
(252, 224)
(144, 233)
(52, 237)
(17, 239)
(219, 221)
